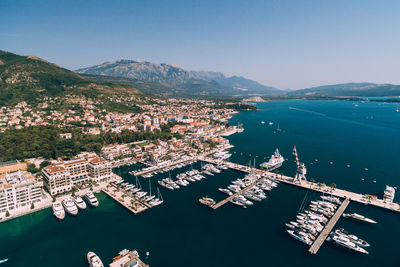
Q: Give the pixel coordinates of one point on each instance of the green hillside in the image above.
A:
(27, 78)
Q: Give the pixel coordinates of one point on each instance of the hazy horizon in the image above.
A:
(283, 44)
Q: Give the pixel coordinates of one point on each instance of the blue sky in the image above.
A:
(286, 44)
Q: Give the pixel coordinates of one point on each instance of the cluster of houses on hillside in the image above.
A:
(88, 115)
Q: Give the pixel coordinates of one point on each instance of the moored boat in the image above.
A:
(359, 217)
(70, 206)
(58, 210)
(79, 202)
(94, 260)
(207, 201)
(346, 243)
(92, 199)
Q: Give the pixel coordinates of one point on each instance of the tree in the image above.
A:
(44, 164)
(7, 214)
(32, 168)
(32, 206)
(332, 186)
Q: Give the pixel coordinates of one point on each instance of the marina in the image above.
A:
(328, 228)
(162, 231)
(307, 185)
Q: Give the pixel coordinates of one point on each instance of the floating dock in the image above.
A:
(328, 227)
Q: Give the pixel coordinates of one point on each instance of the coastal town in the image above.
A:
(197, 132)
(199, 125)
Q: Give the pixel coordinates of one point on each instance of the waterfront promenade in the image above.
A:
(328, 227)
(132, 203)
(44, 204)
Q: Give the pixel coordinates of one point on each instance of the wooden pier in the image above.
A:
(222, 202)
(328, 227)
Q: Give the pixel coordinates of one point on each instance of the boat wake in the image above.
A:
(309, 111)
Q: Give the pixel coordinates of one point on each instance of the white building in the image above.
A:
(19, 189)
(99, 169)
(56, 179)
(61, 176)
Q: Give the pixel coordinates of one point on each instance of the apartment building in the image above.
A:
(56, 179)
(61, 176)
(19, 189)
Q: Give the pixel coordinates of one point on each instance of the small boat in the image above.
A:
(359, 217)
(226, 191)
(208, 173)
(332, 199)
(3, 261)
(262, 122)
(94, 260)
(237, 202)
(207, 201)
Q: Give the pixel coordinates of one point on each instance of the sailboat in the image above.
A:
(157, 201)
(278, 130)
(150, 196)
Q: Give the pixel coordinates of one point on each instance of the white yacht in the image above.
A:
(359, 217)
(237, 202)
(69, 206)
(90, 197)
(208, 173)
(301, 236)
(274, 162)
(222, 155)
(388, 194)
(355, 239)
(79, 202)
(332, 199)
(226, 191)
(345, 242)
(157, 201)
(58, 210)
(94, 260)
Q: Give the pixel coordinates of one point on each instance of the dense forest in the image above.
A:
(45, 141)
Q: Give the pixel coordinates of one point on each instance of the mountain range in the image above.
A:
(29, 78)
(178, 81)
(172, 80)
(350, 89)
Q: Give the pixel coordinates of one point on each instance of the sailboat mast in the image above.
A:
(150, 185)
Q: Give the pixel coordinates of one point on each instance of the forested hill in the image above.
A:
(28, 78)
